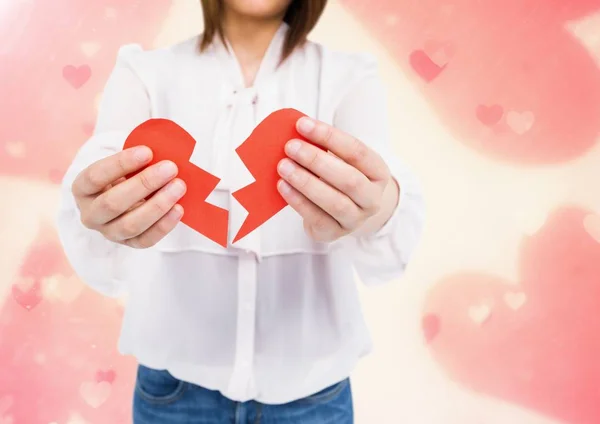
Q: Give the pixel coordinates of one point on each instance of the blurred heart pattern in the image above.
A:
(534, 341)
(57, 337)
(474, 61)
(511, 84)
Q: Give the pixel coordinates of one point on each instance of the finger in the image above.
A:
(116, 201)
(158, 231)
(97, 176)
(114, 183)
(336, 172)
(335, 203)
(136, 205)
(318, 223)
(140, 219)
(346, 147)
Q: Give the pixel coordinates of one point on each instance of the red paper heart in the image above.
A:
(167, 140)
(538, 344)
(260, 152)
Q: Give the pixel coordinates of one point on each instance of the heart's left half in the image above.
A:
(168, 141)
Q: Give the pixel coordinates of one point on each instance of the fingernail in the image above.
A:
(167, 169)
(293, 146)
(177, 188)
(142, 154)
(284, 188)
(306, 125)
(286, 167)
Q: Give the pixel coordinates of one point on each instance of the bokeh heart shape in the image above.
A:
(509, 81)
(535, 343)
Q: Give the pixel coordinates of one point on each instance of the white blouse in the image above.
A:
(276, 316)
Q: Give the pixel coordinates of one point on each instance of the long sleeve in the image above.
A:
(124, 105)
(383, 256)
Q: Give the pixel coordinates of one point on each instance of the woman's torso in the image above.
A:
(276, 316)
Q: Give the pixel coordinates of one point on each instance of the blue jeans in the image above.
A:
(160, 398)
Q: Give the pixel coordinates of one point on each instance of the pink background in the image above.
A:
(495, 105)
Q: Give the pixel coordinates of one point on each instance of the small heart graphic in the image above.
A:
(77, 76)
(90, 49)
(94, 393)
(106, 375)
(26, 293)
(520, 122)
(479, 314)
(515, 300)
(591, 223)
(260, 152)
(489, 115)
(424, 66)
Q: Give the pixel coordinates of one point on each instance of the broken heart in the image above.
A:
(260, 152)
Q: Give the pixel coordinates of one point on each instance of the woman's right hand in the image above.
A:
(115, 206)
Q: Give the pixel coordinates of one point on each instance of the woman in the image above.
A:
(268, 329)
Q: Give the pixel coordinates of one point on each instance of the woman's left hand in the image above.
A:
(335, 192)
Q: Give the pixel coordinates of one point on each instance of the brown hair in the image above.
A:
(301, 16)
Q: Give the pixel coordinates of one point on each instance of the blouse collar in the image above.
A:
(225, 54)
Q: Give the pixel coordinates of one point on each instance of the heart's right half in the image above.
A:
(535, 343)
